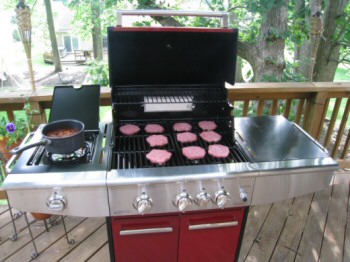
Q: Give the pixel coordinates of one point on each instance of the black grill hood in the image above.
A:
(140, 56)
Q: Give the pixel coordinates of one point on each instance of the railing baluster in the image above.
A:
(323, 118)
(246, 107)
(307, 112)
(346, 147)
(299, 111)
(334, 116)
(287, 110)
(261, 107)
(274, 107)
(341, 128)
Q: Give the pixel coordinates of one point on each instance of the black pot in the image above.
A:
(58, 145)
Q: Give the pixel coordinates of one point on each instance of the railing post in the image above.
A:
(313, 119)
(38, 115)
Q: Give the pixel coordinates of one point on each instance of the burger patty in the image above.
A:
(154, 129)
(207, 125)
(193, 152)
(158, 156)
(186, 137)
(218, 151)
(157, 140)
(182, 127)
(210, 136)
(129, 129)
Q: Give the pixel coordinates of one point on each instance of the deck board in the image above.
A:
(314, 227)
(332, 245)
(287, 246)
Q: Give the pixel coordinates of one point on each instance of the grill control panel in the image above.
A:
(180, 196)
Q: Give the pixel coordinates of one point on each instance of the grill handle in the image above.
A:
(14, 157)
(146, 231)
(213, 225)
(223, 15)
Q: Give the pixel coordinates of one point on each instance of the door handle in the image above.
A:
(146, 231)
(213, 225)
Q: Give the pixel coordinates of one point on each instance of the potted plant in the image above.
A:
(12, 134)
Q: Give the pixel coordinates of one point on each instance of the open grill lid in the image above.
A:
(140, 56)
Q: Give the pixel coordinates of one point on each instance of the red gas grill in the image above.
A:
(188, 210)
(166, 76)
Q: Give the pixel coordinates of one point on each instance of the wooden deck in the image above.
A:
(308, 228)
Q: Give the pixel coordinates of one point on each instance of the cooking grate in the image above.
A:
(130, 151)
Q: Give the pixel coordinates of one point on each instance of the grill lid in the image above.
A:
(171, 56)
(82, 104)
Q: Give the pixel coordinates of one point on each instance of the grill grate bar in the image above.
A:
(130, 151)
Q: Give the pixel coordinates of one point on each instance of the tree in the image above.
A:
(91, 19)
(321, 54)
(336, 30)
(51, 27)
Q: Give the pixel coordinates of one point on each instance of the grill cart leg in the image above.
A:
(70, 241)
(35, 254)
(14, 237)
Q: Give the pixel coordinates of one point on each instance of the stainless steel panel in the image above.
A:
(273, 186)
(81, 201)
(85, 192)
(274, 138)
(122, 195)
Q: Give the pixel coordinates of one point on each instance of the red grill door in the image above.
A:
(210, 236)
(146, 239)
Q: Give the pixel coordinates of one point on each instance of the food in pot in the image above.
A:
(186, 137)
(193, 152)
(63, 132)
(159, 156)
(207, 125)
(157, 140)
(182, 127)
(154, 129)
(218, 151)
(129, 129)
(210, 136)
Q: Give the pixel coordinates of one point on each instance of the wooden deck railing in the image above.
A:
(307, 104)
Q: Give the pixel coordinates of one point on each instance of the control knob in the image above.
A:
(56, 201)
(221, 197)
(182, 201)
(243, 194)
(143, 203)
(202, 199)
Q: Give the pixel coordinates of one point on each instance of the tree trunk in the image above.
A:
(96, 31)
(54, 46)
(267, 55)
(329, 49)
(238, 73)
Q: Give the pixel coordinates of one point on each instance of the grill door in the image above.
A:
(210, 236)
(146, 239)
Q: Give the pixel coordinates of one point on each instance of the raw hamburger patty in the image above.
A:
(129, 129)
(157, 140)
(193, 152)
(218, 151)
(158, 156)
(207, 125)
(154, 129)
(210, 136)
(182, 127)
(186, 137)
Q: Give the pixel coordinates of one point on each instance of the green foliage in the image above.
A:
(290, 73)
(98, 72)
(15, 35)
